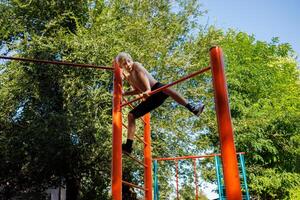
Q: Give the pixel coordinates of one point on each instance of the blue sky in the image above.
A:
(264, 19)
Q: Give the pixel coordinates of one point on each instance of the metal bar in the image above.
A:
(140, 139)
(136, 160)
(155, 169)
(117, 136)
(242, 161)
(228, 152)
(170, 84)
(217, 165)
(190, 157)
(133, 108)
(147, 158)
(124, 125)
(133, 185)
(56, 63)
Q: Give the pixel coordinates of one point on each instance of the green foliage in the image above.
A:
(294, 193)
(188, 193)
(272, 184)
(262, 81)
(55, 125)
(263, 84)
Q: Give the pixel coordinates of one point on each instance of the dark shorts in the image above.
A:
(151, 102)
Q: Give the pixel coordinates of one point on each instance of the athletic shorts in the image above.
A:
(151, 102)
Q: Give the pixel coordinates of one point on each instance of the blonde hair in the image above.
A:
(122, 56)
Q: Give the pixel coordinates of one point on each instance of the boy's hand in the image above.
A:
(145, 95)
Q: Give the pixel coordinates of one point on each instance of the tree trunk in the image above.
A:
(72, 188)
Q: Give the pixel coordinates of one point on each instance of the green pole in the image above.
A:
(156, 193)
(242, 161)
(219, 179)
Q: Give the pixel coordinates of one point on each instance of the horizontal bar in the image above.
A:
(133, 108)
(140, 139)
(136, 160)
(56, 62)
(124, 125)
(133, 185)
(191, 157)
(169, 85)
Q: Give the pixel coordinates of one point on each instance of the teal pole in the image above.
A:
(156, 193)
(217, 164)
(242, 161)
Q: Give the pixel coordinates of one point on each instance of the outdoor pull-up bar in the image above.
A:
(230, 167)
(56, 63)
(228, 152)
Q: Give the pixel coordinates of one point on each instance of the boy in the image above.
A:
(143, 83)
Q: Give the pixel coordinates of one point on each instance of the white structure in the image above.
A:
(56, 193)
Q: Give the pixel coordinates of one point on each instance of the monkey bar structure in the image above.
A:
(228, 152)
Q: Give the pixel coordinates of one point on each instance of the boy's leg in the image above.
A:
(176, 96)
(131, 126)
(182, 101)
(127, 147)
(146, 106)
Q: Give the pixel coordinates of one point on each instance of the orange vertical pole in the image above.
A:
(116, 174)
(228, 152)
(147, 158)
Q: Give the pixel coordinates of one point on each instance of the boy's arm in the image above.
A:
(145, 81)
(132, 92)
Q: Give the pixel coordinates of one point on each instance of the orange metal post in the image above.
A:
(117, 136)
(228, 152)
(147, 158)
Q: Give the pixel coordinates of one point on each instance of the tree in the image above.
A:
(263, 85)
(56, 121)
(36, 122)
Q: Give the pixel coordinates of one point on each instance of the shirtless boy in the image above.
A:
(143, 83)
